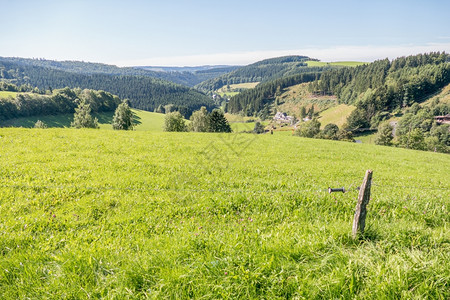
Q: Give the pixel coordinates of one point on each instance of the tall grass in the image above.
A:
(107, 214)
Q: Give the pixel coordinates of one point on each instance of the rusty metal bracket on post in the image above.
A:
(359, 220)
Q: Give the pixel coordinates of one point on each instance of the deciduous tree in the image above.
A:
(384, 136)
(174, 122)
(199, 120)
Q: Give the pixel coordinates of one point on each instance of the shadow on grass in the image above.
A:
(104, 117)
(370, 235)
(136, 120)
(58, 121)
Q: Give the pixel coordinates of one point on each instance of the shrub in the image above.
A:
(40, 124)
(308, 129)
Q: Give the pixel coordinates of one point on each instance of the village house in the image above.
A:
(281, 117)
(442, 119)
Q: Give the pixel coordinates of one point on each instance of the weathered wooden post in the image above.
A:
(359, 221)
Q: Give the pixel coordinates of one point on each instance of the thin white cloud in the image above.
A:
(337, 53)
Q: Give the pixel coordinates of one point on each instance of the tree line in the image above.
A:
(58, 102)
(417, 129)
(384, 86)
(144, 92)
(256, 100)
(201, 121)
(262, 71)
(311, 129)
(87, 68)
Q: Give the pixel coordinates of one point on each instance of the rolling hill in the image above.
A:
(262, 71)
(144, 92)
(188, 76)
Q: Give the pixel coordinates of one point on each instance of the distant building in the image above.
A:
(281, 117)
(442, 119)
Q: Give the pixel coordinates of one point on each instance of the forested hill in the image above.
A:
(144, 92)
(262, 71)
(28, 102)
(385, 86)
(184, 76)
(259, 99)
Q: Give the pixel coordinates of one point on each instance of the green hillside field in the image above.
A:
(127, 215)
(337, 115)
(296, 96)
(312, 63)
(6, 94)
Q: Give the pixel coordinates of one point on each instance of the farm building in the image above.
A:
(281, 117)
(442, 119)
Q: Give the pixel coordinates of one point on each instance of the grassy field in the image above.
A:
(144, 121)
(6, 94)
(148, 121)
(366, 138)
(126, 215)
(337, 115)
(336, 63)
(227, 94)
(242, 124)
(234, 88)
(443, 97)
(294, 97)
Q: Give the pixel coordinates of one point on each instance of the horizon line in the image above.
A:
(367, 53)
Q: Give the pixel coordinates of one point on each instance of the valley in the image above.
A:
(176, 213)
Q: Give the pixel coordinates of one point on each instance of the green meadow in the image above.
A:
(337, 115)
(144, 214)
(6, 94)
(312, 63)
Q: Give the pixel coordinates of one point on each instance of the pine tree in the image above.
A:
(217, 122)
(123, 117)
(82, 117)
(302, 112)
(311, 112)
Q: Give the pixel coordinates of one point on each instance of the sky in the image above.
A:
(232, 32)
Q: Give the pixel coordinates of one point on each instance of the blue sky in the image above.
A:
(200, 32)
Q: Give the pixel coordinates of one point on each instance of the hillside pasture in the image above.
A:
(233, 89)
(312, 63)
(296, 96)
(443, 96)
(7, 94)
(336, 115)
(113, 214)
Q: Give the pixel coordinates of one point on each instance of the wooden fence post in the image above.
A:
(359, 221)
